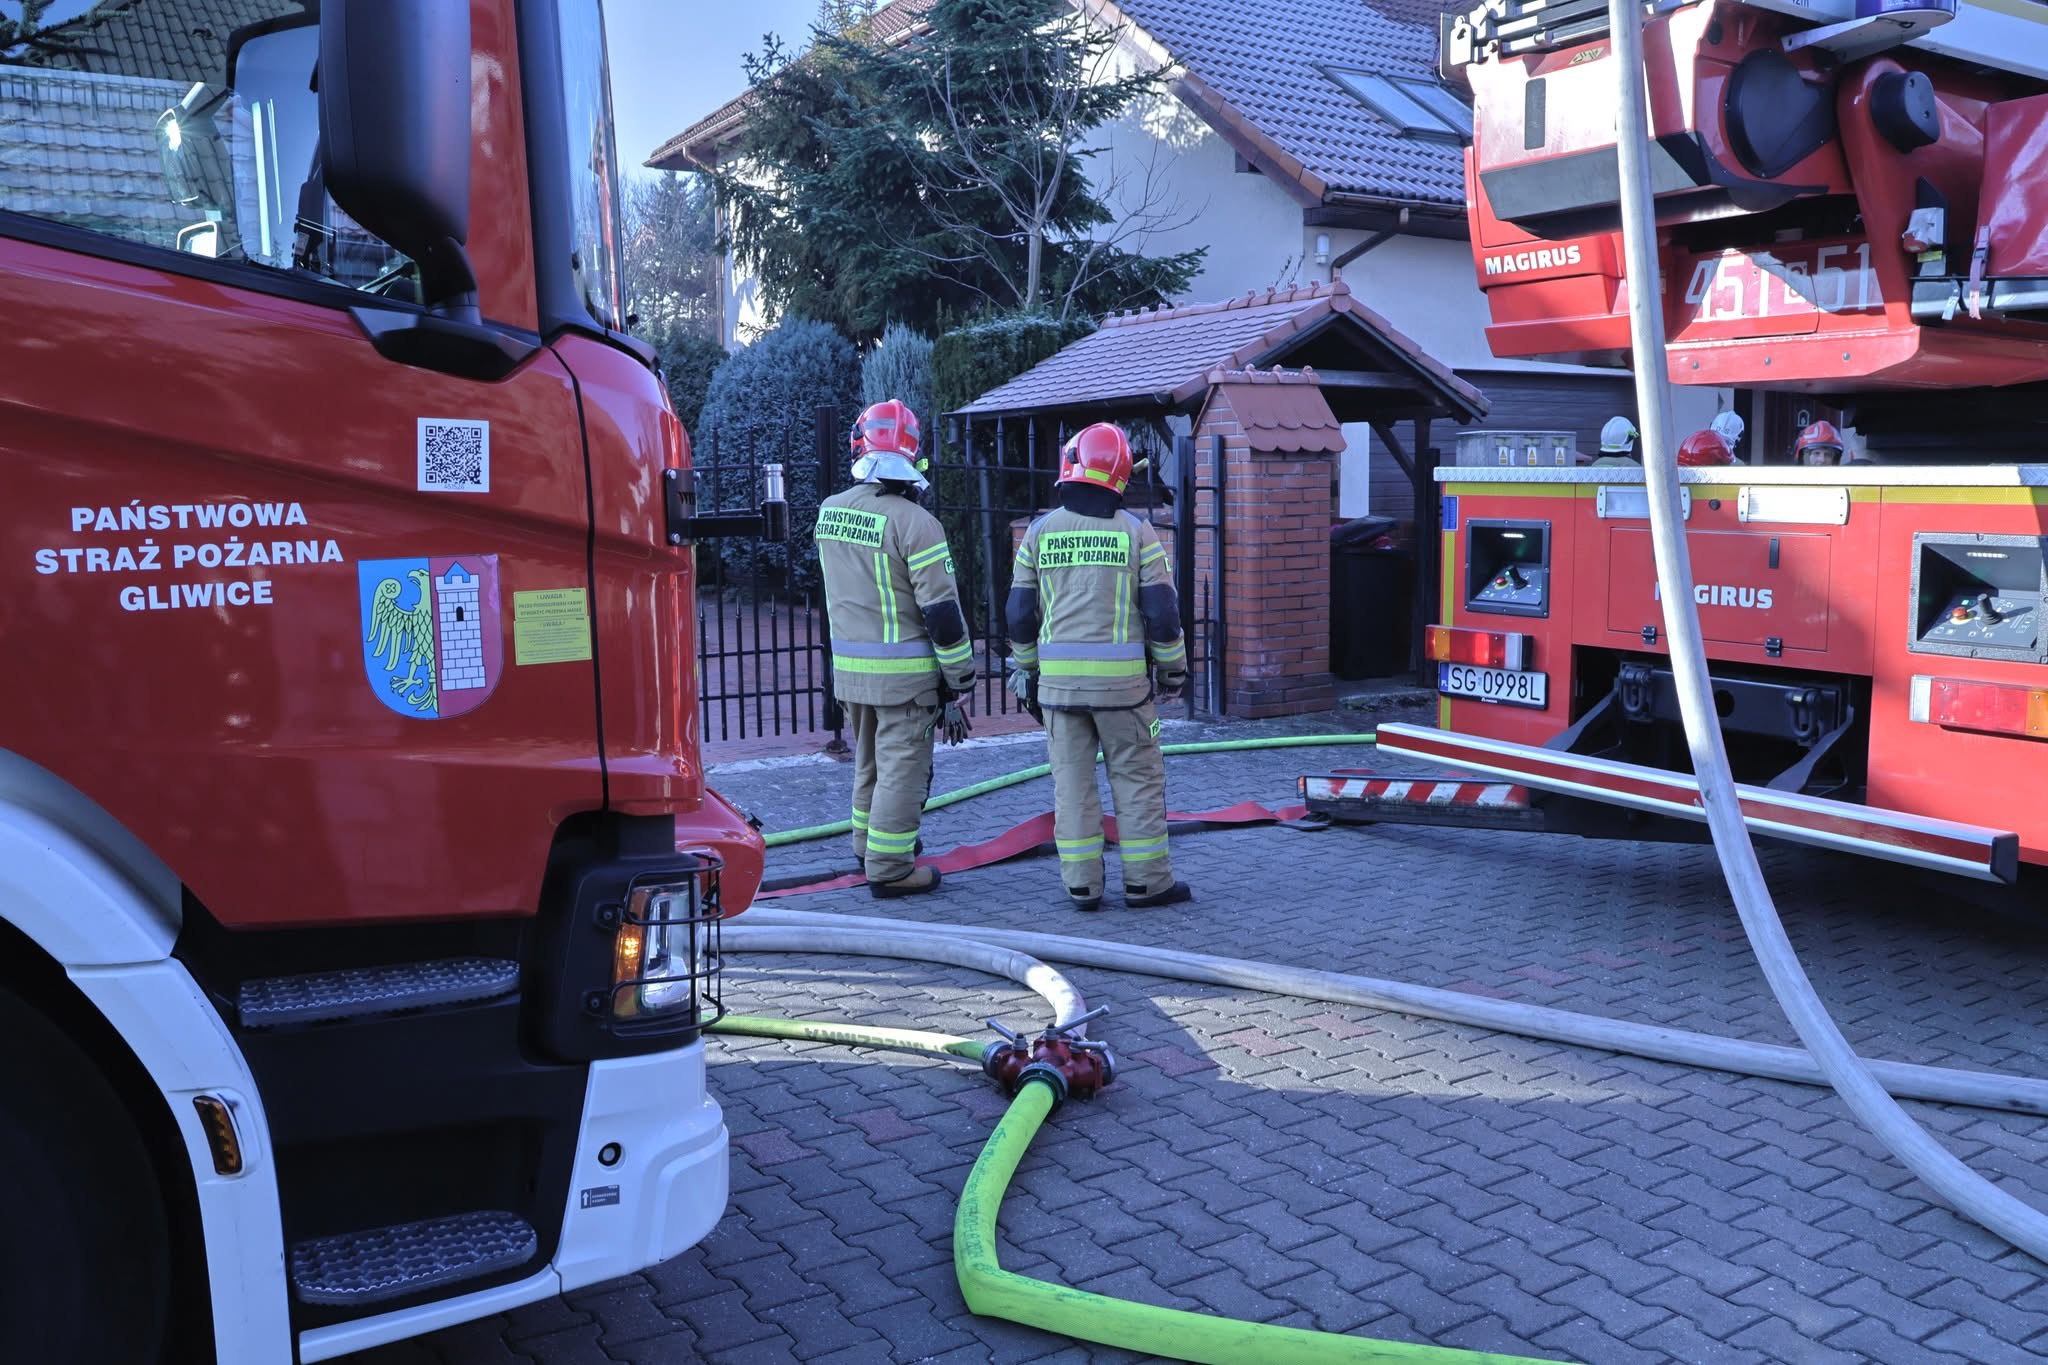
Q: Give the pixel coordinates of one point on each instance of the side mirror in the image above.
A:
(188, 144)
(199, 239)
(394, 96)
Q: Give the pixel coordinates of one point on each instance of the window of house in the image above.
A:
(1418, 108)
(186, 125)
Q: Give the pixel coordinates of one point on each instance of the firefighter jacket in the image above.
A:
(897, 629)
(1090, 603)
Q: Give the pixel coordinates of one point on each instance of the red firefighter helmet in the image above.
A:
(1819, 439)
(1705, 447)
(1097, 454)
(886, 428)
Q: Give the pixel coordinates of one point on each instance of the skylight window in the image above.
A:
(1419, 108)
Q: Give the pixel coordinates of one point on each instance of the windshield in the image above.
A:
(593, 160)
(154, 123)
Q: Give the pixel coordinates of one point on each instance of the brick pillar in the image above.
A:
(1281, 447)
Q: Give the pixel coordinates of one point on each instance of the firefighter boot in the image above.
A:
(1172, 895)
(919, 882)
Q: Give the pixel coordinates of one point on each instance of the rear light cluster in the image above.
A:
(1994, 708)
(1480, 648)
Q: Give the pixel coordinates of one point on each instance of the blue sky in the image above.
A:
(674, 61)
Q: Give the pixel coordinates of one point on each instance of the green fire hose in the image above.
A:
(944, 799)
(992, 1291)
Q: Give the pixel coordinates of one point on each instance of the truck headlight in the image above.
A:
(665, 959)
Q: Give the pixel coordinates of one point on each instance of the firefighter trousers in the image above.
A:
(892, 776)
(1129, 740)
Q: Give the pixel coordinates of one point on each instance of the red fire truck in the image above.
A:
(1850, 205)
(359, 882)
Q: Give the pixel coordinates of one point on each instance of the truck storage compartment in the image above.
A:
(1753, 587)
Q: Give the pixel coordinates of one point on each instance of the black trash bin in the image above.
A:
(1372, 600)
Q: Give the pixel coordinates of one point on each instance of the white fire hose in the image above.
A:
(901, 938)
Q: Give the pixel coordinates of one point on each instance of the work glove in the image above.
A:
(954, 727)
(1023, 684)
(1170, 684)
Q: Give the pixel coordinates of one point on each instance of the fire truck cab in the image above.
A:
(359, 880)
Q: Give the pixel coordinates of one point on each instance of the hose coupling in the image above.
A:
(1048, 1073)
(1077, 1067)
(1004, 1062)
(1083, 1067)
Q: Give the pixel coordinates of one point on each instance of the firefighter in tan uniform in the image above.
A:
(1092, 613)
(901, 660)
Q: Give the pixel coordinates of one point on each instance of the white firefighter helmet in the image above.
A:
(1618, 437)
(1730, 426)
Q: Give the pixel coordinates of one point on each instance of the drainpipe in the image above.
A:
(1378, 239)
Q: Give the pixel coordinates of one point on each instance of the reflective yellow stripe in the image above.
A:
(1151, 552)
(885, 589)
(956, 654)
(1130, 846)
(928, 556)
(1093, 668)
(1128, 856)
(884, 841)
(1079, 850)
(860, 820)
(1169, 654)
(848, 664)
(1045, 625)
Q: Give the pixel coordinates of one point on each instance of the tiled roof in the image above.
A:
(1263, 60)
(81, 149)
(80, 141)
(1280, 410)
(182, 40)
(1163, 358)
(697, 146)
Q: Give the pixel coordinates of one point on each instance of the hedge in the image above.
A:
(760, 409)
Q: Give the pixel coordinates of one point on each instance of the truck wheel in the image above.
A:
(84, 1240)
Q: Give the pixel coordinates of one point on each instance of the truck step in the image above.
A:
(1352, 797)
(320, 997)
(409, 1258)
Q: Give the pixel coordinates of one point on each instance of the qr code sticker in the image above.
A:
(455, 455)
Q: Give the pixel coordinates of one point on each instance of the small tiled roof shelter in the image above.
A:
(1268, 380)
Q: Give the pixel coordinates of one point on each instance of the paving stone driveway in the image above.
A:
(1329, 1167)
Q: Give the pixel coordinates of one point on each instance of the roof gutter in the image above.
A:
(1378, 239)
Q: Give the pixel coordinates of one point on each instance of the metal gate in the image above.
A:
(764, 658)
(763, 638)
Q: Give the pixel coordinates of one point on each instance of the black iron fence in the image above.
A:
(763, 633)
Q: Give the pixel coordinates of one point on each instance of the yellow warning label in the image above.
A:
(551, 626)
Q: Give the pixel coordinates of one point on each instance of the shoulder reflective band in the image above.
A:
(931, 555)
(1074, 549)
(852, 525)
